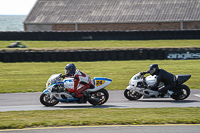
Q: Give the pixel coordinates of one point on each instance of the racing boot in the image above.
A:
(161, 95)
(168, 94)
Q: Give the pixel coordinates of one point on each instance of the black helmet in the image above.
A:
(153, 69)
(70, 69)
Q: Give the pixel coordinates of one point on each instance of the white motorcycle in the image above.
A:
(55, 91)
(136, 88)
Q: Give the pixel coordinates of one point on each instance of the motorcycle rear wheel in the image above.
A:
(102, 96)
(183, 91)
(45, 100)
(135, 96)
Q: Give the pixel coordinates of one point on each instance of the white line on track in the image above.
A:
(197, 95)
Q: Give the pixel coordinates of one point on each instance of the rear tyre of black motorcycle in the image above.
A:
(99, 97)
(128, 94)
(45, 100)
(182, 92)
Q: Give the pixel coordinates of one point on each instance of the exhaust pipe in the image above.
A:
(94, 100)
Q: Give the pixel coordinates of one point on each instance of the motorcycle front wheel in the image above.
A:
(99, 97)
(132, 96)
(182, 92)
(45, 100)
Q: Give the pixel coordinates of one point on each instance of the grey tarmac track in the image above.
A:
(30, 101)
(113, 129)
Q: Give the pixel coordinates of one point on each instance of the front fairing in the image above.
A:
(54, 79)
(135, 79)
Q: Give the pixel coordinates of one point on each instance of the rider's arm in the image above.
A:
(143, 73)
(64, 76)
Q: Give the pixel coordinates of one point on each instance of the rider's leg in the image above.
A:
(82, 89)
(163, 90)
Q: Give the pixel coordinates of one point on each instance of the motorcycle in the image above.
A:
(55, 91)
(137, 89)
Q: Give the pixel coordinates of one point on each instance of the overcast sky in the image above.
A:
(16, 7)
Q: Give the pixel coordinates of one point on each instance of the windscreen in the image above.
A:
(55, 78)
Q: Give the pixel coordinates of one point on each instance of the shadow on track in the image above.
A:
(171, 101)
(84, 106)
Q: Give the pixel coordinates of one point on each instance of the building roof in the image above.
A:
(113, 11)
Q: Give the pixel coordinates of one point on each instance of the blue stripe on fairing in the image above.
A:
(64, 100)
(104, 79)
(109, 79)
(45, 91)
(70, 80)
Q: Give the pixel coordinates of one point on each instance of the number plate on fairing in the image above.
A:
(99, 82)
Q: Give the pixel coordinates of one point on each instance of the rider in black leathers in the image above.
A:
(167, 78)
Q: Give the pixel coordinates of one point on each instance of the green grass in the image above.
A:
(32, 77)
(98, 116)
(104, 44)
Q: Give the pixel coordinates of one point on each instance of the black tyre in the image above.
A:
(45, 100)
(182, 92)
(135, 96)
(99, 97)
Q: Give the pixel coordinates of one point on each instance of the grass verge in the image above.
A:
(32, 77)
(111, 44)
(79, 117)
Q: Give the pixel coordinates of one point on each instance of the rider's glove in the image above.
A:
(62, 76)
(142, 73)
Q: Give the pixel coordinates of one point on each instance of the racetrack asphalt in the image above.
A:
(30, 101)
(111, 129)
